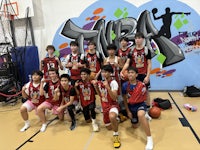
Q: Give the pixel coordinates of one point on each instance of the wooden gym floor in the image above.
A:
(168, 132)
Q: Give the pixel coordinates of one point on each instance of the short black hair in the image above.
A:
(65, 76)
(108, 68)
(50, 47)
(86, 70)
(111, 47)
(73, 43)
(54, 70)
(37, 72)
(124, 38)
(133, 68)
(91, 43)
(139, 35)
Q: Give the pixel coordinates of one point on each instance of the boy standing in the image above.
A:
(140, 58)
(134, 94)
(74, 62)
(51, 61)
(93, 60)
(86, 91)
(31, 91)
(124, 51)
(107, 90)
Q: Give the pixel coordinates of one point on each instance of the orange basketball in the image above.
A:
(155, 112)
(125, 73)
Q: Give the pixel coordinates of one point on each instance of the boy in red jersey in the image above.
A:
(66, 92)
(31, 92)
(51, 102)
(93, 60)
(140, 58)
(74, 62)
(124, 51)
(86, 91)
(134, 94)
(107, 90)
(51, 61)
(115, 62)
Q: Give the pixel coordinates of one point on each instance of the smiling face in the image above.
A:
(84, 76)
(52, 75)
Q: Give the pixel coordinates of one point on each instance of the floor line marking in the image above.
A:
(29, 140)
(189, 125)
(89, 141)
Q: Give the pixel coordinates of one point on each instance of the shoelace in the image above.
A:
(116, 139)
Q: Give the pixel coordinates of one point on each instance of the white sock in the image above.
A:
(147, 116)
(26, 126)
(149, 145)
(115, 133)
(93, 121)
(44, 126)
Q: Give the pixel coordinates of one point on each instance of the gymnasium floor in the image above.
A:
(168, 132)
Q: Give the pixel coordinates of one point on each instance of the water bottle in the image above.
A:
(30, 77)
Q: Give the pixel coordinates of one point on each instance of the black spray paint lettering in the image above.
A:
(101, 35)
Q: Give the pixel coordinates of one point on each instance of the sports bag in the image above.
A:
(191, 91)
(162, 103)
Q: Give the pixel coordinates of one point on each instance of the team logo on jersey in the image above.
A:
(66, 99)
(34, 96)
(104, 94)
(139, 60)
(92, 64)
(86, 93)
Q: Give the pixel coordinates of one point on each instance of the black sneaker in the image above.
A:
(73, 125)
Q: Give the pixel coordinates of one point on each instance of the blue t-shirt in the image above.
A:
(124, 87)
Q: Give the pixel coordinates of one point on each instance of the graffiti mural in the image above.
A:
(165, 30)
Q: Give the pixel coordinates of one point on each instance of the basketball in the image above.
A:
(125, 73)
(154, 11)
(155, 112)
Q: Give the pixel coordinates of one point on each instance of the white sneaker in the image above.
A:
(95, 127)
(147, 116)
(44, 126)
(149, 145)
(26, 126)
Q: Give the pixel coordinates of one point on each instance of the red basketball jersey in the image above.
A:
(106, 101)
(124, 54)
(87, 93)
(75, 73)
(51, 88)
(65, 95)
(139, 60)
(49, 63)
(138, 94)
(93, 62)
(34, 94)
